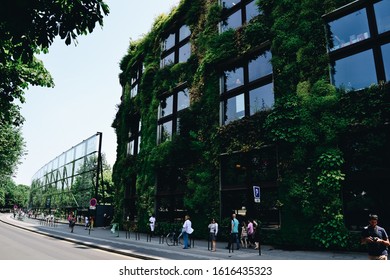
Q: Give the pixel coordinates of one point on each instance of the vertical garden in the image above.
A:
(323, 135)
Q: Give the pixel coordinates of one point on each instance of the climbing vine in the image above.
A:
(308, 124)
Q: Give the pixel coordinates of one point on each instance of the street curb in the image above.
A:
(88, 244)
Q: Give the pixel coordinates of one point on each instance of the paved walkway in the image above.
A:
(142, 247)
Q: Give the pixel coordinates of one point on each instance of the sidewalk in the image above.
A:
(142, 247)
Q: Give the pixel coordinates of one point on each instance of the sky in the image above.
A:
(87, 90)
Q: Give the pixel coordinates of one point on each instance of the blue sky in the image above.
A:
(87, 88)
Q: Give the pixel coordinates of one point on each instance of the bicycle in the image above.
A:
(173, 238)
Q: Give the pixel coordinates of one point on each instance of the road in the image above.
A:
(19, 244)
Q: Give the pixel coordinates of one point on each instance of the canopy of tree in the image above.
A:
(28, 27)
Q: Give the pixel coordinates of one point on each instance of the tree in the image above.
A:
(12, 194)
(28, 27)
(11, 150)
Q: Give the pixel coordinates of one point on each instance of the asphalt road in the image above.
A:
(19, 244)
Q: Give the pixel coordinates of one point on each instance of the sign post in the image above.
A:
(256, 194)
(92, 203)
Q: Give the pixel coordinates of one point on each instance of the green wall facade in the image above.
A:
(312, 126)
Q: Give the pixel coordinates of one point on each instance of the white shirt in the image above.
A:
(152, 221)
(187, 226)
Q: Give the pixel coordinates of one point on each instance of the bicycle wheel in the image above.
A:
(170, 239)
(180, 239)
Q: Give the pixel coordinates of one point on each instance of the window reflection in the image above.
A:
(260, 67)
(176, 47)
(168, 119)
(355, 72)
(168, 60)
(252, 10)
(165, 131)
(134, 90)
(234, 108)
(349, 30)
(382, 14)
(386, 60)
(169, 42)
(234, 21)
(233, 79)
(261, 98)
(183, 99)
(184, 32)
(130, 148)
(185, 52)
(166, 106)
(229, 3)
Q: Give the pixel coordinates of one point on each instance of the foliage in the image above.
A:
(309, 124)
(12, 194)
(28, 28)
(11, 150)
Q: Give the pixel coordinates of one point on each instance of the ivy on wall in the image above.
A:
(308, 120)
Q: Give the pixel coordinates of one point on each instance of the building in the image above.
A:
(222, 97)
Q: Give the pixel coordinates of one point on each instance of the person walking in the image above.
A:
(91, 222)
(234, 233)
(376, 239)
(213, 230)
(152, 224)
(244, 236)
(86, 222)
(256, 234)
(187, 229)
(72, 223)
(251, 232)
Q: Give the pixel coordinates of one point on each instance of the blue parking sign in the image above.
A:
(256, 193)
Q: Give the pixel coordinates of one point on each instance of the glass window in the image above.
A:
(134, 90)
(130, 148)
(165, 131)
(62, 160)
(349, 29)
(70, 155)
(252, 10)
(168, 60)
(234, 79)
(386, 60)
(234, 108)
(184, 52)
(355, 72)
(229, 3)
(183, 99)
(382, 14)
(169, 42)
(80, 150)
(261, 98)
(184, 32)
(260, 67)
(233, 21)
(166, 106)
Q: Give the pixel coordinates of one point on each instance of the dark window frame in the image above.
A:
(227, 12)
(175, 49)
(245, 88)
(374, 42)
(135, 77)
(175, 115)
